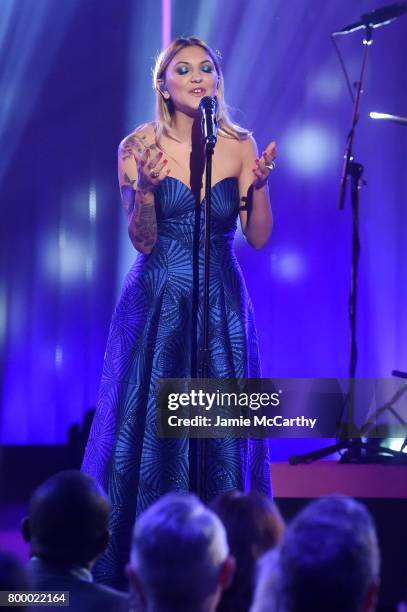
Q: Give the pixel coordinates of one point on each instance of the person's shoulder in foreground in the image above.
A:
(67, 528)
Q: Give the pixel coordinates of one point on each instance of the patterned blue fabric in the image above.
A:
(152, 336)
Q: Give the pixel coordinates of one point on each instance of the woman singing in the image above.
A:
(156, 328)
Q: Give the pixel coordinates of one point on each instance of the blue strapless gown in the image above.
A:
(150, 338)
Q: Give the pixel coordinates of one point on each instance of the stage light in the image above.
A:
(72, 257)
(393, 444)
(310, 150)
(58, 356)
(289, 266)
(92, 204)
(325, 86)
(67, 260)
(89, 266)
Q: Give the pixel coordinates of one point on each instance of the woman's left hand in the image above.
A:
(264, 165)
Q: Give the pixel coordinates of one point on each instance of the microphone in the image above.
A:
(376, 18)
(209, 123)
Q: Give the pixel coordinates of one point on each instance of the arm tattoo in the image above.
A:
(128, 196)
(138, 202)
(128, 180)
(140, 209)
(135, 144)
(145, 225)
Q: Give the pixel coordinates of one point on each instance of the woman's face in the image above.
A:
(190, 76)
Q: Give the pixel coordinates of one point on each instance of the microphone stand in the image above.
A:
(354, 170)
(204, 357)
(352, 444)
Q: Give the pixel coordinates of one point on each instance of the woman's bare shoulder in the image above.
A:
(143, 137)
(248, 149)
(241, 148)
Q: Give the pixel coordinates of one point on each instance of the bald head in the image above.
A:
(68, 519)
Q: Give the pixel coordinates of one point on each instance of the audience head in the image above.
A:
(253, 525)
(68, 519)
(180, 557)
(329, 560)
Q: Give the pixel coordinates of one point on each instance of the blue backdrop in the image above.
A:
(75, 78)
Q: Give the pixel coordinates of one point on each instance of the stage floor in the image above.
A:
(327, 477)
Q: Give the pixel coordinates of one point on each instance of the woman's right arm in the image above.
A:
(136, 161)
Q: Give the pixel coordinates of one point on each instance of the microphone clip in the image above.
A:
(209, 122)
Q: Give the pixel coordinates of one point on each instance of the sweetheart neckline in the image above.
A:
(225, 178)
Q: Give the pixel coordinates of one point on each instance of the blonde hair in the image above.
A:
(165, 109)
